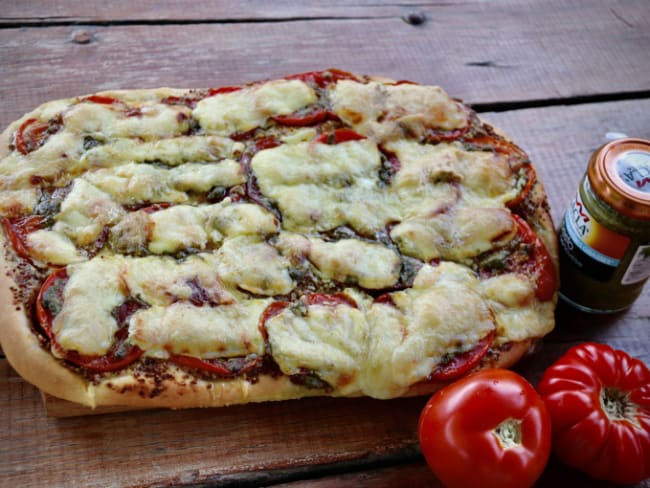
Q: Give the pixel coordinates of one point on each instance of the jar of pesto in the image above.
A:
(605, 234)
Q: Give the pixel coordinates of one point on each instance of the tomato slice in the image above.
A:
(119, 357)
(224, 367)
(101, 99)
(17, 230)
(187, 101)
(46, 309)
(540, 265)
(31, 135)
(311, 118)
(462, 363)
(224, 89)
(121, 354)
(266, 143)
(339, 136)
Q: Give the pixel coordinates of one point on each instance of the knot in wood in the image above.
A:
(81, 36)
(415, 18)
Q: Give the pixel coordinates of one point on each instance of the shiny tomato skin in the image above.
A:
(457, 432)
(585, 436)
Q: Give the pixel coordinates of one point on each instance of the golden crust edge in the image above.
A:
(24, 351)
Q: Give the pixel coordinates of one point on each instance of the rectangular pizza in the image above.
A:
(325, 233)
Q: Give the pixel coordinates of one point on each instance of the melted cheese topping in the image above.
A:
(245, 109)
(186, 227)
(463, 233)
(77, 326)
(14, 203)
(60, 154)
(439, 315)
(371, 266)
(204, 332)
(84, 213)
(172, 151)
(518, 314)
(485, 177)
(163, 281)
(328, 340)
(254, 266)
(320, 186)
(177, 228)
(134, 183)
(51, 247)
(154, 121)
(241, 219)
(387, 112)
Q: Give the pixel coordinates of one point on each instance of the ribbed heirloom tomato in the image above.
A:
(599, 402)
(489, 429)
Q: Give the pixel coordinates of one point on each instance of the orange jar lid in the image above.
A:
(619, 173)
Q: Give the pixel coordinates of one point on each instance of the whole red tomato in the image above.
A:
(599, 402)
(489, 429)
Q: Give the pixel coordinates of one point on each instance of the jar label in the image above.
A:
(639, 267)
(592, 247)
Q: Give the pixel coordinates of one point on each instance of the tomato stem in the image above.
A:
(508, 433)
(617, 405)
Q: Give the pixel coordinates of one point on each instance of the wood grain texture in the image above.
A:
(483, 52)
(198, 446)
(27, 12)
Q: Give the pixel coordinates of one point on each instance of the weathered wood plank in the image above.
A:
(199, 446)
(27, 12)
(482, 52)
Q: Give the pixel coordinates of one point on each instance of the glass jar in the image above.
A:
(605, 234)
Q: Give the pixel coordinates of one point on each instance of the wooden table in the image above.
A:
(557, 76)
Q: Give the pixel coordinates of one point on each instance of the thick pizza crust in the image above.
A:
(170, 388)
(173, 387)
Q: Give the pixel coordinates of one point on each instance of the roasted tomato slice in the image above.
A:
(120, 356)
(338, 136)
(100, 99)
(49, 303)
(50, 300)
(17, 230)
(310, 118)
(222, 90)
(224, 367)
(459, 364)
(540, 265)
(32, 134)
(268, 142)
(488, 429)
